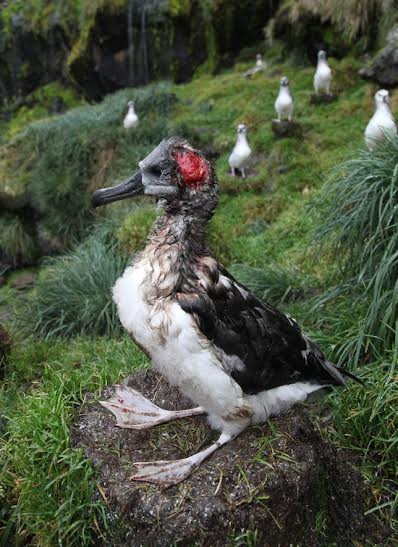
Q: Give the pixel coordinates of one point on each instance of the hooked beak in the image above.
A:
(128, 188)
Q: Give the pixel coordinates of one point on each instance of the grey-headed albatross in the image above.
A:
(236, 357)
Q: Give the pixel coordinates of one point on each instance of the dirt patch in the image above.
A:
(282, 129)
(323, 98)
(24, 281)
(276, 484)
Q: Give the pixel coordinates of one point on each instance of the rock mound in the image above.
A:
(384, 67)
(280, 483)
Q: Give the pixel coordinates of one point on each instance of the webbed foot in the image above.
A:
(133, 410)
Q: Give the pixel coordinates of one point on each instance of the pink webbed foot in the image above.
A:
(166, 473)
(133, 410)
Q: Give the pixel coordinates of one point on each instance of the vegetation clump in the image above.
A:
(359, 227)
(55, 160)
(73, 293)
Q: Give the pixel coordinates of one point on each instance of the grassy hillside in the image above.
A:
(263, 230)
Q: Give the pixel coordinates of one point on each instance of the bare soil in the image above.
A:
(275, 485)
(282, 129)
(323, 98)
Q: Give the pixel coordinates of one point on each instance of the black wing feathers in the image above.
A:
(270, 346)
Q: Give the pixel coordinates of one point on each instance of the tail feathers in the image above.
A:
(338, 374)
(352, 376)
(335, 373)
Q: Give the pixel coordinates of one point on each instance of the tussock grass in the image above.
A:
(360, 228)
(57, 161)
(15, 240)
(73, 293)
(275, 284)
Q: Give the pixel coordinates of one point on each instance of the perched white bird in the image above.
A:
(236, 357)
(382, 122)
(131, 118)
(323, 75)
(241, 152)
(260, 64)
(284, 101)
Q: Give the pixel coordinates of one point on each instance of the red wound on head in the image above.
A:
(193, 168)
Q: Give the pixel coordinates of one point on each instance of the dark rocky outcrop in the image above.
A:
(114, 44)
(384, 67)
(30, 59)
(163, 41)
(281, 483)
(305, 27)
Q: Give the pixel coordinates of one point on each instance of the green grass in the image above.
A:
(38, 105)
(366, 421)
(56, 163)
(46, 487)
(263, 226)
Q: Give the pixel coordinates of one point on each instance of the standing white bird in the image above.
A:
(260, 64)
(236, 357)
(323, 75)
(258, 67)
(382, 122)
(241, 152)
(131, 118)
(284, 101)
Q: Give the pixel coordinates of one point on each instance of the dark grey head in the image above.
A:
(259, 57)
(173, 170)
(321, 55)
(285, 81)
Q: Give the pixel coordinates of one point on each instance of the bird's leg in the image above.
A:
(165, 473)
(233, 171)
(132, 410)
(243, 173)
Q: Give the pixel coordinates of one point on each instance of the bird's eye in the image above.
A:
(155, 171)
